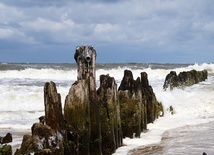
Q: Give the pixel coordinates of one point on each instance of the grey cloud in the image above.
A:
(33, 3)
(48, 3)
(156, 25)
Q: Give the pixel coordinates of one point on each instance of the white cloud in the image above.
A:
(209, 27)
(41, 24)
(5, 33)
(10, 14)
(106, 28)
(13, 35)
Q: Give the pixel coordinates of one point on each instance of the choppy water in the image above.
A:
(22, 103)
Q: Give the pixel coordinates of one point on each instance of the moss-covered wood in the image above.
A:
(81, 108)
(77, 113)
(5, 150)
(111, 131)
(138, 103)
(130, 99)
(154, 108)
(185, 78)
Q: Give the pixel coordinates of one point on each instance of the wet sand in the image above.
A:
(191, 140)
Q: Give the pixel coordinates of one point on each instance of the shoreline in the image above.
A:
(171, 136)
(157, 132)
(174, 141)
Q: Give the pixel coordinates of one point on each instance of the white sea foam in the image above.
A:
(22, 102)
(32, 73)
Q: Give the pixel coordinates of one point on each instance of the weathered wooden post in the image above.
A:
(53, 107)
(185, 78)
(111, 130)
(81, 108)
(138, 103)
(85, 57)
(130, 98)
(154, 108)
(47, 136)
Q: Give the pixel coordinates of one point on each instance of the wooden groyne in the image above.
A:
(94, 121)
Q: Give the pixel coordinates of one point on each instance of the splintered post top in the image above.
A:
(85, 57)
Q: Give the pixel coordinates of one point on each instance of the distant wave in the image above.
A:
(69, 71)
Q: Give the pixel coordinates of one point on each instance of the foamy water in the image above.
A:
(190, 139)
(22, 102)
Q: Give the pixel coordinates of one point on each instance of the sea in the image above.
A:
(189, 130)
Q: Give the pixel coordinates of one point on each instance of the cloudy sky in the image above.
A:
(162, 31)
